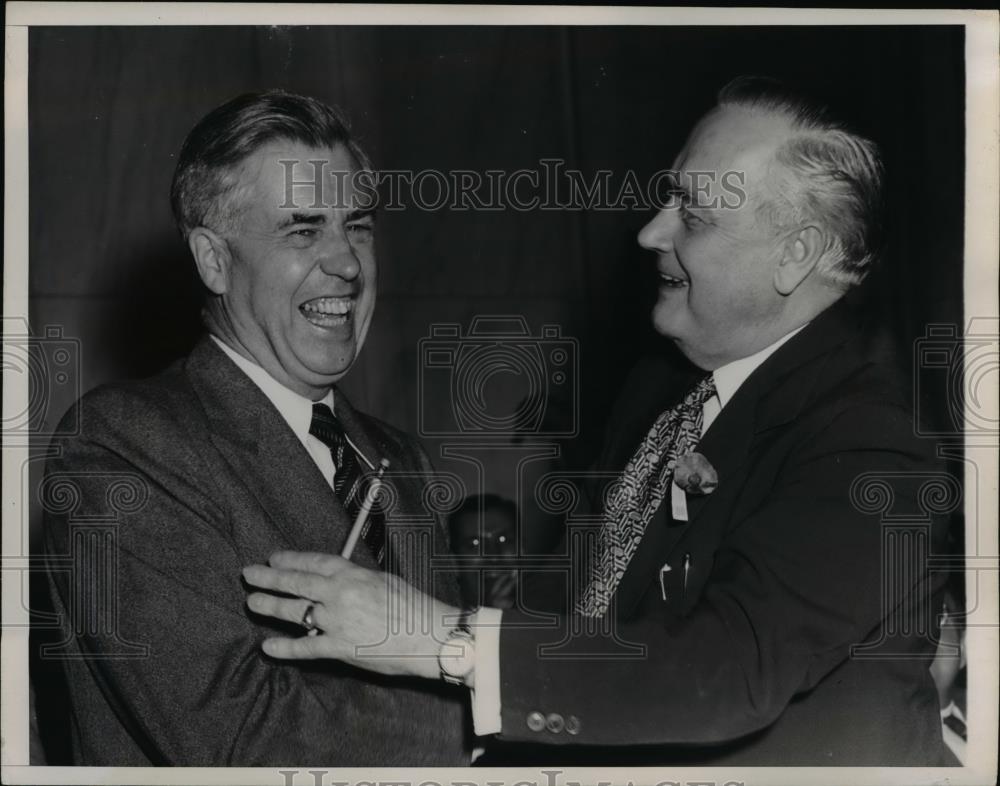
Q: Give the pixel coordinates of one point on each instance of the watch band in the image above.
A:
(462, 630)
(464, 622)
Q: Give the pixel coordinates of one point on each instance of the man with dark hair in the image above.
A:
(484, 538)
(743, 602)
(244, 447)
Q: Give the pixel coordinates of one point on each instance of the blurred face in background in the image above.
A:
(482, 543)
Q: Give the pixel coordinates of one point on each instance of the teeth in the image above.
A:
(329, 305)
(673, 281)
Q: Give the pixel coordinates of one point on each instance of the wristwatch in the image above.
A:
(457, 655)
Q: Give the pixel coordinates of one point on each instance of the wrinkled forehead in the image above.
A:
(734, 139)
(731, 147)
(286, 175)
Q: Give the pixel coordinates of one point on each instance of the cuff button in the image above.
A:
(536, 721)
(555, 723)
(572, 725)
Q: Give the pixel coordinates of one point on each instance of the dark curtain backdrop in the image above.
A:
(109, 108)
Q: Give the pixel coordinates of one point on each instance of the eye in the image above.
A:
(678, 197)
(302, 237)
(690, 219)
(361, 230)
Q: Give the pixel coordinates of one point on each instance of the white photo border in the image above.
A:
(982, 251)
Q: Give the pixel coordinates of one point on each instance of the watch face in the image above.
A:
(457, 656)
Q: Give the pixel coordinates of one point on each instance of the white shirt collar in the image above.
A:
(729, 377)
(295, 409)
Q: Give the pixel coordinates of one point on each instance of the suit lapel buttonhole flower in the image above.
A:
(695, 475)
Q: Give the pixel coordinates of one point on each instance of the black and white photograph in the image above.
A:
(484, 394)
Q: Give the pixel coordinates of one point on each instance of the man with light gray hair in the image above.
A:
(743, 601)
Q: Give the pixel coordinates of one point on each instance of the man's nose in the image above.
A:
(658, 234)
(337, 258)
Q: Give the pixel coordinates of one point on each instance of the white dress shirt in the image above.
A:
(295, 409)
(486, 693)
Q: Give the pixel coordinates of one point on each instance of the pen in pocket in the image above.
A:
(663, 581)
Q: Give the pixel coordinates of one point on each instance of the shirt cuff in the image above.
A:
(486, 688)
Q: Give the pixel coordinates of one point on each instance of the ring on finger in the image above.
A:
(308, 622)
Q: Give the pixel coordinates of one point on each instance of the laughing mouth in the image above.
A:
(328, 311)
(673, 282)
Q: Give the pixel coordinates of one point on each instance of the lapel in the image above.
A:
(265, 455)
(267, 460)
(375, 445)
(774, 394)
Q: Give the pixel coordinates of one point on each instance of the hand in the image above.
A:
(501, 589)
(370, 619)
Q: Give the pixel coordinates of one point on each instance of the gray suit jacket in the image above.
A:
(172, 486)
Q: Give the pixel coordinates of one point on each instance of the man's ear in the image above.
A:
(213, 258)
(803, 250)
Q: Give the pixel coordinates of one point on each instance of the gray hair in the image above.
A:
(206, 181)
(831, 177)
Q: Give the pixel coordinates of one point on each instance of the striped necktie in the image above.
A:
(638, 493)
(348, 481)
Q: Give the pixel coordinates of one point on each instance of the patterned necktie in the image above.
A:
(348, 480)
(639, 492)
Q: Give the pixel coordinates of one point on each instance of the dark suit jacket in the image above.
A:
(173, 486)
(788, 567)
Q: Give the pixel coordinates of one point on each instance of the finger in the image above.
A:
(506, 583)
(288, 609)
(291, 582)
(309, 561)
(305, 648)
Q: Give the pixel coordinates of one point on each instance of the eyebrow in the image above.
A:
(310, 219)
(355, 215)
(675, 183)
(318, 219)
(676, 186)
